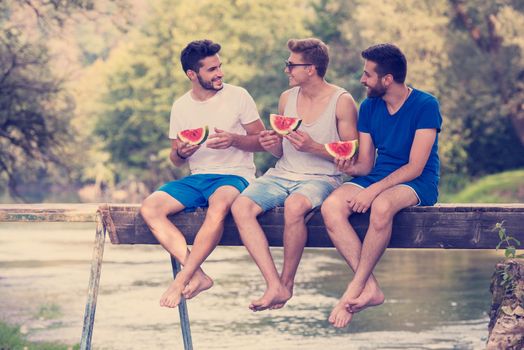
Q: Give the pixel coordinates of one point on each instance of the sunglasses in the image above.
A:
(290, 65)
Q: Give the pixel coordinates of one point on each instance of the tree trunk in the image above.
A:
(506, 326)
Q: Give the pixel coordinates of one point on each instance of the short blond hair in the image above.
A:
(313, 51)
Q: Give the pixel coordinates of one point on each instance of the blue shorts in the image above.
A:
(425, 190)
(270, 191)
(193, 191)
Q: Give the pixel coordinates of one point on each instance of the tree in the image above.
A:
(147, 76)
(487, 66)
(35, 108)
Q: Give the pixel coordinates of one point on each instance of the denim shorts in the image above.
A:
(193, 191)
(270, 191)
(425, 190)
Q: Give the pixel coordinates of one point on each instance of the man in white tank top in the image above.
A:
(305, 173)
(220, 169)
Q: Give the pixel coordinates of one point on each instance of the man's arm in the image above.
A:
(269, 139)
(364, 161)
(223, 139)
(418, 157)
(346, 115)
(180, 151)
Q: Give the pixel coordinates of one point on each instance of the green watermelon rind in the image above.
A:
(286, 131)
(200, 141)
(334, 154)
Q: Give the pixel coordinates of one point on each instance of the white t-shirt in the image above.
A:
(227, 110)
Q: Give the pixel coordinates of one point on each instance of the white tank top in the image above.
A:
(296, 165)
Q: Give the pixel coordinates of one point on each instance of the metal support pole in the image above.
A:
(182, 310)
(94, 281)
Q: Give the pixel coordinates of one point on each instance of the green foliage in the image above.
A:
(147, 76)
(510, 252)
(34, 112)
(506, 187)
(511, 243)
(12, 338)
(486, 54)
(49, 311)
(115, 113)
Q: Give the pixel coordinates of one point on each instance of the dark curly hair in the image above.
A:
(389, 60)
(196, 51)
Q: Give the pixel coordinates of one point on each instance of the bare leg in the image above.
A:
(155, 210)
(188, 281)
(245, 211)
(174, 242)
(383, 209)
(296, 207)
(335, 211)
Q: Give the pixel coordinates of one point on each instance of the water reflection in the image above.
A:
(436, 299)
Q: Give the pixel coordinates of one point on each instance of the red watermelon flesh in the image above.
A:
(194, 136)
(342, 149)
(284, 125)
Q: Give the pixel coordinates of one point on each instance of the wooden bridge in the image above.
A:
(448, 226)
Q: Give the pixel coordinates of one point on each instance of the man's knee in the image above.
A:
(244, 208)
(150, 209)
(382, 213)
(295, 207)
(334, 207)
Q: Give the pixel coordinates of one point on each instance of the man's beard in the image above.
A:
(378, 91)
(208, 85)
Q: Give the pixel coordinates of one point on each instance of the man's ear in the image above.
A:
(312, 70)
(191, 74)
(388, 80)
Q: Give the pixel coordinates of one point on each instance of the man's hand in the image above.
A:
(347, 166)
(220, 140)
(185, 150)
(362, 201)
(269, 140)
(301, 141)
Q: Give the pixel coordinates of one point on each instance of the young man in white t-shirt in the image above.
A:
(220, 169)
(304, 174)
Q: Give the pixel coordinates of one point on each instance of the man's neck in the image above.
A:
(314, 88)
(396, 95)
(200, 94)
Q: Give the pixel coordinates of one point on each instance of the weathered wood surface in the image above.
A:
(66, 212)
(451, 226)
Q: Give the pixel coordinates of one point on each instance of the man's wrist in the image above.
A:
(180, 156)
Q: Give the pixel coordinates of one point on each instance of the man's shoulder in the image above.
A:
(289, 91)
(423, 97)
(185, 98)
(234, 89)
(369, 103)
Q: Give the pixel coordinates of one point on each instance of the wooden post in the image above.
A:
(182, 310)
(94, 281)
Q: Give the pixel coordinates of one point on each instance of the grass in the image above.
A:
(11, 338)
(506, 187)
(49, 311)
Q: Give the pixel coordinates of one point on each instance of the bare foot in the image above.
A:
(172, 296)
(340, 317)
(197, 284)
(370, 296)
(289, 287)
(272, 296)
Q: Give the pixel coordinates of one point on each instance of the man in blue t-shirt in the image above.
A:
(397, 167)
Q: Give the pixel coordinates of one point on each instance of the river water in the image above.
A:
(436, 299)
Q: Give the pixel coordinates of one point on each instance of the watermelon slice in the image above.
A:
(194, 136)
(284, 125)
(342, 149)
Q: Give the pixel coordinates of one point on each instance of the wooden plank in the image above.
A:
(451, 226)
(66, 212)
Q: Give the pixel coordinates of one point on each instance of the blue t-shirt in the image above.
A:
(393, 134)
